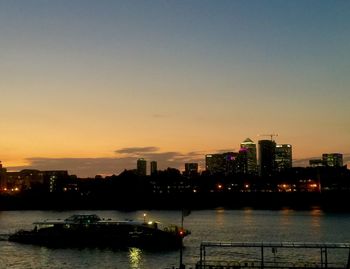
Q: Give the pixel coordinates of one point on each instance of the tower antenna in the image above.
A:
(270, 135)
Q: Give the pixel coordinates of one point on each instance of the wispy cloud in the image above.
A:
(80, 166)
(225, 150)
(303, 162)
(136, 150)
(165, 159)
(126, 159)
(159, 116)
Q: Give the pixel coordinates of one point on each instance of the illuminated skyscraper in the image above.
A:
(221, 163)
(248, 155)
(283, 157)
(141, 167)
(214, 163)
(266, 157)
(332, 159)
(241, 165)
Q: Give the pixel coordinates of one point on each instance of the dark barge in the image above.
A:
(91, 231)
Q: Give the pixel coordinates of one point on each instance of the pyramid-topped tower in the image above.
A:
(251, 161)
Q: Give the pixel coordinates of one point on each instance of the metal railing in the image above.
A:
(234, 255)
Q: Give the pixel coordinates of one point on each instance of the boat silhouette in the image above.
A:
(89, 230)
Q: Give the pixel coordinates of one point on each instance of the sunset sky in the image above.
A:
(90, 86)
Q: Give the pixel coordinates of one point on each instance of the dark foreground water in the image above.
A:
(244, 225)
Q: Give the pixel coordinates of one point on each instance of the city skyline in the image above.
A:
(92, 86)
(140, 158)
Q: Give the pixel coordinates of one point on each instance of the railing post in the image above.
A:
(262, 256)
(200, 257)
(204, 257)
(348, 265)
(181, 254)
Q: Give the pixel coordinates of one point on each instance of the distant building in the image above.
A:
(52, 181)
(267, 157)
(2, 177)
(55, 180)
(328, 160)
(191, 169)
(153, 168)
(248, 156)
(221, 163)
(283, 157)
(22, 180)
(332, 159)
(214, 163)
(141, 167)
(241, 165)
(316, 163)
(230, 162)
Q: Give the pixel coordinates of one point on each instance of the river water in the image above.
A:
(245, 225)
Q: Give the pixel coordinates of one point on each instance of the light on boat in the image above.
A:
(181, 233)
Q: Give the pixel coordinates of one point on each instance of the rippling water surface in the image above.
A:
(244, 225)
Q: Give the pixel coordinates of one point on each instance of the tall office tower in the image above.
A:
(283, 157)
(266, 157)
(250, 151)
(3, 183)
(230, 162)
(241, 166)
(332, 159)
(153, 168)
(191, 169)
(214, 163)
(221, 163)
(141, 167)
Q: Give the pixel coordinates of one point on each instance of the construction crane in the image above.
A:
(270, 135)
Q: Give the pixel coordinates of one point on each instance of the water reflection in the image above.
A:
(220, 218)
(286, 219)
(316, 215)
(316, 212)
(248, 216)
(135, 257)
